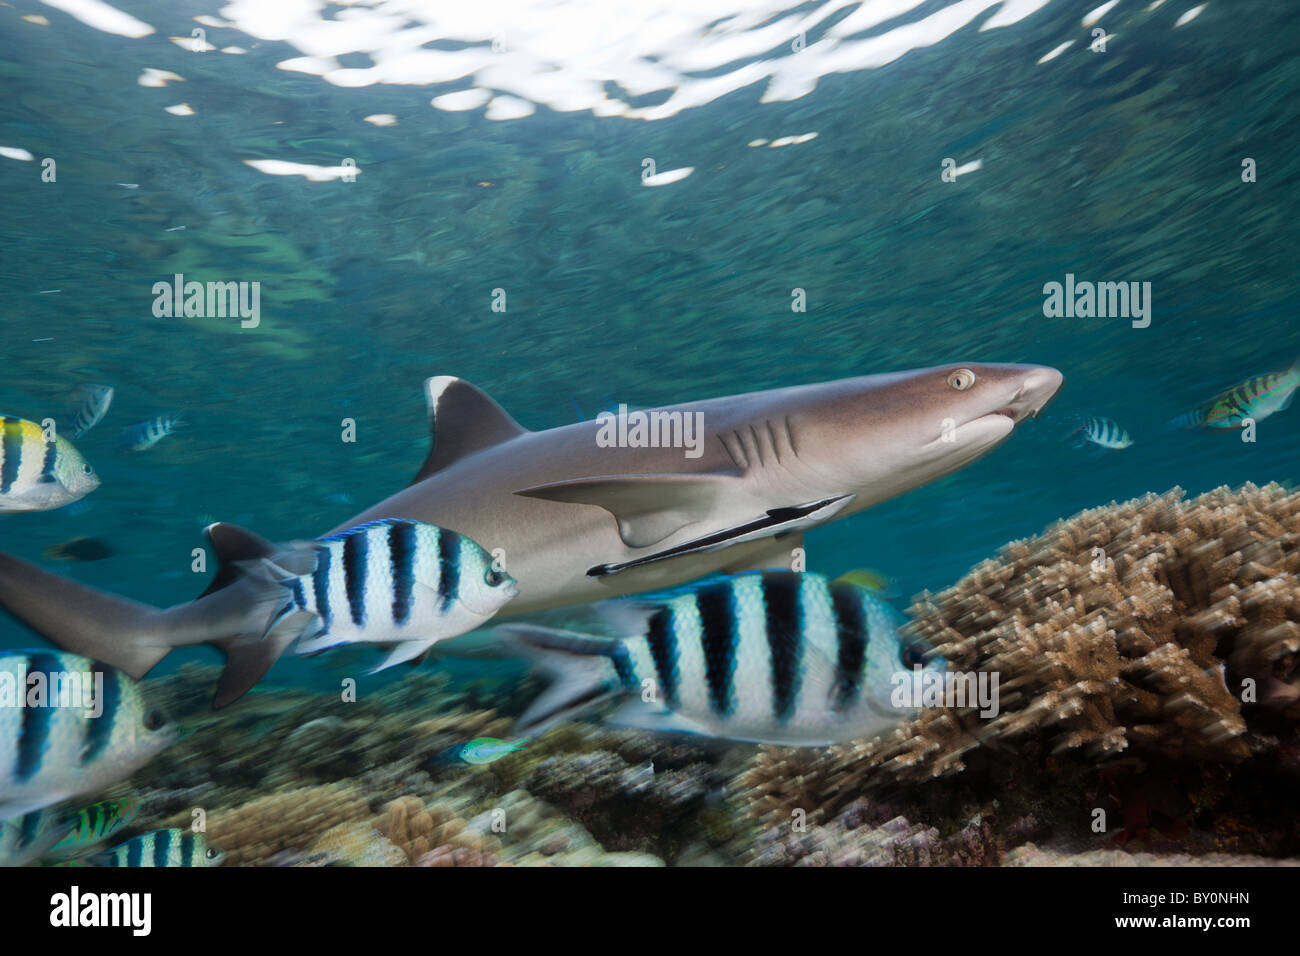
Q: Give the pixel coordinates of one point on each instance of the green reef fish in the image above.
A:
(780, 657)
(391, 582)
(144, 435)
(163, 848)
(36, 473)
(94, 824)
(1256, 398)
(91, 405)
(70, 726)
(1102, 432)
(869, 579)
(483, 750)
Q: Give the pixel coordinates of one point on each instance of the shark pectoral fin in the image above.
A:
(635, 714)
(648, 508)
(462, 420)
(403, 652)
(776, 523)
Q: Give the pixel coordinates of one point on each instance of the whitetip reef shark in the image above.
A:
(576, 522)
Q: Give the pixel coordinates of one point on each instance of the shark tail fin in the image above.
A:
(81, 619)
(250, 619)
(581, 669)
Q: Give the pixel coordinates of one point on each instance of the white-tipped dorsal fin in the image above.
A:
(462, 420)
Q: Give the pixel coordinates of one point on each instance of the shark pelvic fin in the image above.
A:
(462, 420)
(775, 523)
(648, 508)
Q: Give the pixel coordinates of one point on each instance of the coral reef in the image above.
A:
(254, 832)
(1161, 629)
(1147, 659)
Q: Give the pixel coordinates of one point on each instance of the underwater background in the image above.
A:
(501, 147)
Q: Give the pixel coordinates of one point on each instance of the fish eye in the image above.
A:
(211, 854)
(494, 578)
(912, 655)
(87, 470)
(154, 720)
(961, 379)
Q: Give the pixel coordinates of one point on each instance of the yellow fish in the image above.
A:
(40, 472)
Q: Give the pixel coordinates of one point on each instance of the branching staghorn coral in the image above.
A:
(1161, 626)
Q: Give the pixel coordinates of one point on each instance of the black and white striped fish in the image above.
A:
(26, 839)
(144, 435)
(39, 470)
(1102, 432)
(779, 657)
(69, 726)
(163, 848)
(391, 581)
(90, 404)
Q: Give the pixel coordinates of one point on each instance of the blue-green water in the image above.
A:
(1122, 165)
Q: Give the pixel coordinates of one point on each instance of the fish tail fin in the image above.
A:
(82, 620)
(581, 670)
(250, 618)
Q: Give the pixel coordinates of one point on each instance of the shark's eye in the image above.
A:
(961, 379)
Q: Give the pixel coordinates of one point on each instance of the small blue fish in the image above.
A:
(144, 435)
(483, 750)
(1102, 432)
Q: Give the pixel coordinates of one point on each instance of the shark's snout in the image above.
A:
(1038, 388)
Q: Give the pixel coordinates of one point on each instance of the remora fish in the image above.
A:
(388, 582)
(1256, 398)
(37, 475)
(163, 848)
(779, 657)
(91, 405)
(68, 727)
(578, 522)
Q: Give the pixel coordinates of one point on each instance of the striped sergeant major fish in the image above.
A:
(389, 582)
(90, 406)
(54, 834)
(70, 726)
(1256, 398)
(26, 839)
(163, 848)
(39, 473)
(1102, 432)
(581, 522)
(779, 657)
(144, 435)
